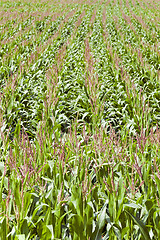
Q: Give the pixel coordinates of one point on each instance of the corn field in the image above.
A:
(80, 120)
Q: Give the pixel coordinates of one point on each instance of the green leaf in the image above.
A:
(50, 227)
(100, 223)
(141, 225)
(1, 168)
(157, 182)
(24, 227)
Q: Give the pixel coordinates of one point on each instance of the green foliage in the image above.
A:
(79, 121)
